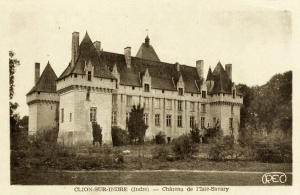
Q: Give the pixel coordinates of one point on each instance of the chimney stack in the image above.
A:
(127, 54)
(199, 67)
(37, 73)
(75, 47)
(97, 45)
(228, 68)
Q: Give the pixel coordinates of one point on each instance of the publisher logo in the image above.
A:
(274, 177)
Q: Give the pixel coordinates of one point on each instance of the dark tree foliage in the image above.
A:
(97, 133)
(195, 135)
(184, 147)
(268, 106)
(160, 138)
(119, 136)
(15, 134)
(136, 124)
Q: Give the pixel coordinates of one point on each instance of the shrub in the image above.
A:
(119, 136)
(97, 133)
(224, 147)
(160, 153)
(183, 147)
(160, 138)
(195, 135)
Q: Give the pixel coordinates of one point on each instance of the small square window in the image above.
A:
(146, 87)
(180, 91)
(203, 94)
(89, 75)
(75, 75)
(133, 88)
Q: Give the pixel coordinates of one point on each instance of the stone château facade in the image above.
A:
(100, 86)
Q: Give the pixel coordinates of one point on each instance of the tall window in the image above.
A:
(62, 115)
(89, 75)
(203, 94)
(129, 101)
(70, 117)
(180, 91)
(157, 103)
(192, 106)
(146, 118)
(127, 116)
(93, 114)
(232, 109)
(192, 121)
(169, 120)
(114, 99)
(157, 119)
(146, 86)
(214, 121)
(202, 122)
(179, 121)
(88, 94)
(203, 108)
(169, 104)
(180, 105)
(233, 93)
(230, 123)
(114, 118)
(146, 102)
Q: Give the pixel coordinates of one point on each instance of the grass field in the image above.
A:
(84, 165)
(139, 178)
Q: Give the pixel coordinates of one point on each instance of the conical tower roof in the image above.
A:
(46, 82)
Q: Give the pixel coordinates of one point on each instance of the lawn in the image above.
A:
(42, 167)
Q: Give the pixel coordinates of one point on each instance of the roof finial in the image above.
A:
(147, 40)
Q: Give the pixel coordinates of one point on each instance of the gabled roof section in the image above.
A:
(46, 82)
(222, 82)
(147, 52)
(161, 73)
(88, 52)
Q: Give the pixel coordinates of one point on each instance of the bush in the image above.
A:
(195, 135)
(160, 153)
(224, 147)
(183, 147)
(97, 133)
(160, 138)
(119, 136)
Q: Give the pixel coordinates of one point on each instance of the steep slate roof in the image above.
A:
(222, 82)
(147, 52)
(87, 52)
(46, 82)
(210, 76)
(162, 74)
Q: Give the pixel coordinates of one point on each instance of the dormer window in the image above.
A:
(203, 94)
(146, 87)
(180, 91)
(89, 75)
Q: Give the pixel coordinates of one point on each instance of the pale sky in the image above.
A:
(254, 38)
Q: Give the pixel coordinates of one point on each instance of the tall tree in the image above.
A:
(14, 117)
(136, 124)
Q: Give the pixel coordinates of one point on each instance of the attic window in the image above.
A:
(203, 94)
(146, 86)
(163, 91)
(180, 91)
(75, 75)
(39, 92)
(192, 94)
(89, 75)
(111, 80)
(133, 88)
